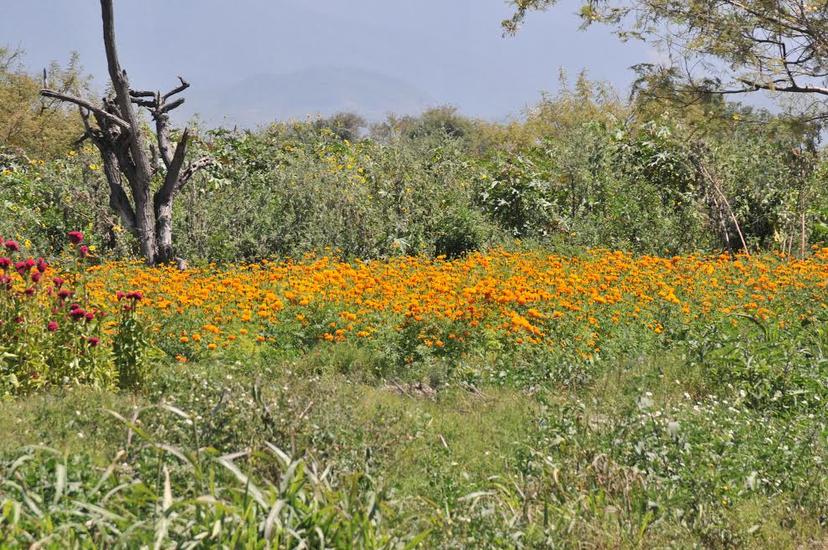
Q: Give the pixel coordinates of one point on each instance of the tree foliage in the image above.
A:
(723, 46)
(40, 128)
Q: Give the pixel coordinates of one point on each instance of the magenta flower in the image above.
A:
(75, 237)
(12, 246)
(52, 326)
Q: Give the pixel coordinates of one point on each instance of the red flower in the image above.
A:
(120, 295)
(136, 296)
(36, 276)
(12, 246)
(5, 281)
(21, 268)
(41, 265)
(58, 282)
(63, 294)
(52, 326)
(75, 237)
(83, 251)
(77, 314)
(94, 341)
(29, 291)
(89, 315)
(5, 263)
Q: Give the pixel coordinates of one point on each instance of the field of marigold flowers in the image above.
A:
(516, 298)
(409, 310)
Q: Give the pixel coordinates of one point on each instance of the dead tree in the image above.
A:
(130, 161)
(719, 207)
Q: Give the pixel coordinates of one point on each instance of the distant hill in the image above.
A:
(263, 98)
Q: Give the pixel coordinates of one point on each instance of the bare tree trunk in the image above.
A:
(719, 203)
(141, 179)
(802, 213)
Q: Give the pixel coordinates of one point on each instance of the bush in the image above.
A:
(318, 193)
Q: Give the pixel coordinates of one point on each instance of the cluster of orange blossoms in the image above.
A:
(525, 298)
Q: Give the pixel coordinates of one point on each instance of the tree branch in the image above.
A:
(794, 88)
(163, 138)
(167, 107)
(177, 90)
(171, 180)
(86, 105)
(149, 104)
(141, 93)
(194, 167)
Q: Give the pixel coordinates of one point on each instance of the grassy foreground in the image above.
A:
(631, 460)
(670, 403)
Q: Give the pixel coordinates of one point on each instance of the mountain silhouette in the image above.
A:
(264, 98)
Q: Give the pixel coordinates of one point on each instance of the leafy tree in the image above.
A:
(28, 124)
(437, 121)
(347, 126)
(740, 45)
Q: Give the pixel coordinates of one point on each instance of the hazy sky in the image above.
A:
(453, 50)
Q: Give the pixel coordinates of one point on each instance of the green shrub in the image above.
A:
(130, 345)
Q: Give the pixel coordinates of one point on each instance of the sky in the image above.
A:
(452, 51)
